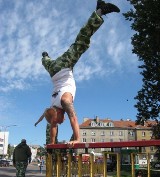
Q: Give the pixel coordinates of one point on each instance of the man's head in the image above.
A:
(23, 141)
(54, 115)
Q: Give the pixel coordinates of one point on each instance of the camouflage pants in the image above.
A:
(81, 44)
(21, 169)
(72, 55)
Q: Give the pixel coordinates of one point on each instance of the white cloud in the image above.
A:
(32, 27)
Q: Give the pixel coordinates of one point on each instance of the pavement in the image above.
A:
(32, 171)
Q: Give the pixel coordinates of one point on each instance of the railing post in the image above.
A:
(91, 165)
(69, 165)
(49, 164)
(80, 165)
(148, 164)
(132, 163)
(105, 165)
(58, 165)
(118, 165)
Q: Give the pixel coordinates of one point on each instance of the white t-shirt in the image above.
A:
(63, 81)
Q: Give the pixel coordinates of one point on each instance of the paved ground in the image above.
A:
(32, 171)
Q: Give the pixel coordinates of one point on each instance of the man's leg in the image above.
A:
(17, 169)
(21, 169)
(72, 55)
(81, 44)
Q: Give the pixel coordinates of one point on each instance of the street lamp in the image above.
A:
(5, 128)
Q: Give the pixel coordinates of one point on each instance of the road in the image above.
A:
(32, 171)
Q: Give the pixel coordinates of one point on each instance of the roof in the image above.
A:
(118, 123)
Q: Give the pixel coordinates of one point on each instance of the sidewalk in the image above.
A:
(33, 170)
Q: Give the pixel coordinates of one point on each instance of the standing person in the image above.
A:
(61, 73)
(40, 166)
(21, 158)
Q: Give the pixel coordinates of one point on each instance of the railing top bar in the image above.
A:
(107, 144)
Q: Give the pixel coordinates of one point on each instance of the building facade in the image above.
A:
(107, 130)
(3, 143)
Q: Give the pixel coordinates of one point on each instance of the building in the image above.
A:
(107, 130)
(4, 143)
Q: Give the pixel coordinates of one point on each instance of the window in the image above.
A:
(93, 140)
(102, 140)
(93, 133)
(111, 133)
(144, 157)
(110, 124)
(131, 133)
(120, 133)
(102, 149)
(101, 124)
(120, 140)
(143, 133)
(84, 140)
(102, 133)
(93, 124)
(152, 148)
(84, 133)
(111, 140)
(152, 157)
(143, 149)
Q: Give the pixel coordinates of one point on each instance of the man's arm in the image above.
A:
(67, 105)
(75, 128)
(29, 153)
(41, 118)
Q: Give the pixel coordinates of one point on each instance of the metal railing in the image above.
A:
(56, 167)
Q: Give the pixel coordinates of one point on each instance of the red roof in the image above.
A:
(119, 123)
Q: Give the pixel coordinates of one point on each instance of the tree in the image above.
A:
(10, 151)
(41, 151)
(156, 135)
(48, 134)
(145, 18)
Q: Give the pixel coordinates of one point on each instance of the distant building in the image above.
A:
(3, 143)
(34, 149)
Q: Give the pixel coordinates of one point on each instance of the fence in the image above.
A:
(56, 167)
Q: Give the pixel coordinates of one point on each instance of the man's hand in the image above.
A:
(70, 144)
(29, 160)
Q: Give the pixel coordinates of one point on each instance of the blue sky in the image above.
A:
(107, 75)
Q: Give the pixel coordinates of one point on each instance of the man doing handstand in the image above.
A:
(61, 72)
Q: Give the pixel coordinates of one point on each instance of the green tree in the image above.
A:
(145, 21)
(10, 151)
(156, 131)
(156, 135)
(48, 134)
(41, 151)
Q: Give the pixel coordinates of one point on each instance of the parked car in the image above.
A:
(4, 163)
(110, 165)
(155, 164)
(10, 162)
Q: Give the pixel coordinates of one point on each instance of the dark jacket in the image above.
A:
(22, 153)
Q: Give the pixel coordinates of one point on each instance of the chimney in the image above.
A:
(97, 119)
